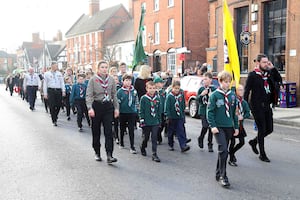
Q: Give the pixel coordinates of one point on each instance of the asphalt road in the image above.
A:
(39, 161)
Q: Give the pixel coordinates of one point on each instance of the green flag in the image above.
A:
(139, 53)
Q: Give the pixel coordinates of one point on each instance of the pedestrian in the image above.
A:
(159, 83)
(203, 94)
(116, 119)
(31, 84)
(175, 114)
(140, 82)
(150, 119)
(128, 101)
(243, 112)
(262, 88)
(223, 121)
(78, 99)
(54, 90)
(102, 106)
(66, 98)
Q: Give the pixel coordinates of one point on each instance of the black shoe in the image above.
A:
(224, 182)
(232, 163)
(143, 151)
(111, 159)
(171, 148)
(210, 148)
(69, 118)
(159, 142)
(186, 148)
(217, 177)
(264, 158)
(54, 123)
(80, 129)
(31, 108)
(233, 158)
(155, 158)
(252, 143)
(98, 157)
(188, 140)
(200, 143)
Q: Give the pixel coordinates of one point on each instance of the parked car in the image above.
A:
(190, 85)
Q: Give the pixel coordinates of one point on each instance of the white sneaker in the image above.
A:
(133, 151)
(121, 147)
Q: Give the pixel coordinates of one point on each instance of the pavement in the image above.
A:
(287, 116)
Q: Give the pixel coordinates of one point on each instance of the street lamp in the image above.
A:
(150, 36)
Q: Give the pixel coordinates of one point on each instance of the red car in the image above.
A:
(190, 85)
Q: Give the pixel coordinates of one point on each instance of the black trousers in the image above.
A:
(104, 113)
(264, 122)
(163, 125)
(31, 93)
(81, 111)
(205, 128)
(55, 102)
(66, 101)
(127, 119)
(147, 130)
(222, 139)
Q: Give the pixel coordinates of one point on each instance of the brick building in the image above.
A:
(273, 27)
(175, 32)
(85, 40)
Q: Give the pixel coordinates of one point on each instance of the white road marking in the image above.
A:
(291, 139)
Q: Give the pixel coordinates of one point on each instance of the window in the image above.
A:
(242, 15)
(144, 36)
(144, 5)
(156, 5)
(156, 33)
(170, 3)
(275, 33)
(171, 61)
(171, 30)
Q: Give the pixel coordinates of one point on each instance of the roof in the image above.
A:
(56, 49)
(3, 54)
(124, 34)
(34, 50)
(87, 23)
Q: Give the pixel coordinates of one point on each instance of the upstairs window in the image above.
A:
(156, 5)
(156, 33)
(171, 30)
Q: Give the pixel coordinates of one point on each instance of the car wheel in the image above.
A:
(193, 108)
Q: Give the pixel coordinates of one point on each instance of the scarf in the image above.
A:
(226, 100)
(205, 97)
(130, 96)
(177, 97)
(264, 76)
(104, 85)
(240, 100)
(81, 91)
(152, 103)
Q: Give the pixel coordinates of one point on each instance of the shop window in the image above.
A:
(275, 33)
(242, 25)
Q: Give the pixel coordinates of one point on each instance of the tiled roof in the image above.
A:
(124, 34)
(87, 24)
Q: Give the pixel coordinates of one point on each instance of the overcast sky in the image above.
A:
(20, 18)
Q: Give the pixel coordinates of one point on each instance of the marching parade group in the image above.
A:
(115, 103)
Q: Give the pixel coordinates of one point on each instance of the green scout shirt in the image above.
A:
(170, 107)
(203, 100)
(150, 110)
(216, 111)
(128, 100)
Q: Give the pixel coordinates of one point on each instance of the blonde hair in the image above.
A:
(224, 75)
(144, 72)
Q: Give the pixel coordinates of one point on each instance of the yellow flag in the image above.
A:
(231, 58)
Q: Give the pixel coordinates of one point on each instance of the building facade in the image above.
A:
(261, 26)
(175, 32)
(85, 40)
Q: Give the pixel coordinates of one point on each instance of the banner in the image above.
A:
(231, 58)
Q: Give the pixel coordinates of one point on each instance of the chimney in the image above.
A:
(59, 35)
(130, 7)
(36, 38)
(94, 7)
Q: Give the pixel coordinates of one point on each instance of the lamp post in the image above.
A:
(150, 36)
